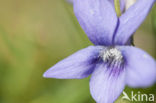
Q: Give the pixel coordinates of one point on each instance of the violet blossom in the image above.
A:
(112, 62)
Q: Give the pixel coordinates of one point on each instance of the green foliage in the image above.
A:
(154, 19)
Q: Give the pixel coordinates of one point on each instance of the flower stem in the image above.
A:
(117, 7)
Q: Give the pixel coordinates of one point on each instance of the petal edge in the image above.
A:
(98, 19)
(140, 69)
(77, 66)
(105, 88)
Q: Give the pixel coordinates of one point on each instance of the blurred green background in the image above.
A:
(34, 35)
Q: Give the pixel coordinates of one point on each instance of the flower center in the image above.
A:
(113, 54)
(113, 60)
(112, 57)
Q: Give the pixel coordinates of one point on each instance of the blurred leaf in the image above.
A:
(154, 19)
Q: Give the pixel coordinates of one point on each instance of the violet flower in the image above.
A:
(112, 62)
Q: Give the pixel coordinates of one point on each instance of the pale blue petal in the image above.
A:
(140, 67)
(77, 66)
(106, 87)
(98, 19)
(132, 19)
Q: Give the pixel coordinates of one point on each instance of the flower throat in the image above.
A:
(113, 58)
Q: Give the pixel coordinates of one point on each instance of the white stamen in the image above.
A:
(113, 53)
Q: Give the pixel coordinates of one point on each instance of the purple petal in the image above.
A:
(132, 19)
(106, 88)
(97, 18)
(122, 5)
(112, 2)
(141, 67)
(76, 66)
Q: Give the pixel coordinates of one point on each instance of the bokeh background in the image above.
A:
(36, 34)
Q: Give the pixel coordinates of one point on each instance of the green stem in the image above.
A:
(117, 7)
